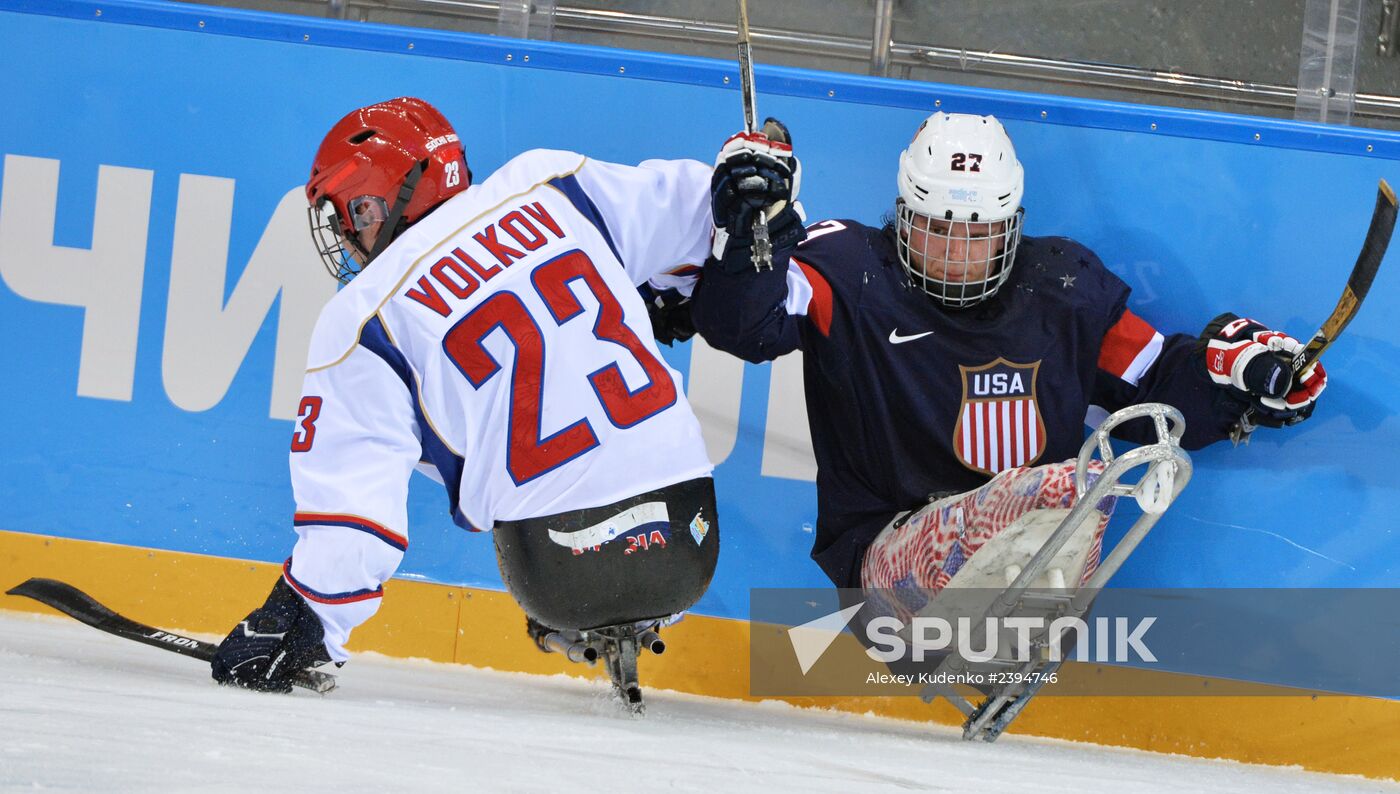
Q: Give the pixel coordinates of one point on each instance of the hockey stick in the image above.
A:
(1358, 284)
(82, 607)
(762, 254)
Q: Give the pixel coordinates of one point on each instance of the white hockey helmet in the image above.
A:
(959, 208)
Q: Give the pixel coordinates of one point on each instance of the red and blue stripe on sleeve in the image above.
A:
(349, 597)
(1130, 348)
(358, 523)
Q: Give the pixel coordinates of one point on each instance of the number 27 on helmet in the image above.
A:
(959, 208)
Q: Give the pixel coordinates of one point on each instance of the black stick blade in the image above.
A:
(1368, 262)
(85, 609)
(1377, 240)
(82, 607)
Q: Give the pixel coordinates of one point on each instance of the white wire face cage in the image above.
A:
(959, 263)
(341, 261)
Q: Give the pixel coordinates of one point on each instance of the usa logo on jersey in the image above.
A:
(999, 425)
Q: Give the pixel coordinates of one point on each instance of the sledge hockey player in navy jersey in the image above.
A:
(946, 350)
(493, 337)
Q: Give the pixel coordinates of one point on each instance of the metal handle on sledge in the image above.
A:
(1169, 470)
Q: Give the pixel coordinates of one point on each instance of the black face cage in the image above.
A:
(962, 291)
(343, 256)
(342, 262)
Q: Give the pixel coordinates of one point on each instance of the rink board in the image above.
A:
(706, 656)
(148, 397)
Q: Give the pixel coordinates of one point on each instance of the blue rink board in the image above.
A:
(1197, 215)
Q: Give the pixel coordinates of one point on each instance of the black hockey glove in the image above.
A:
(1255, 366)
(756, 173)
(270, 646)
(670, 315)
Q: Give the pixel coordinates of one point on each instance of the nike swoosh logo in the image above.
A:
(896, 339)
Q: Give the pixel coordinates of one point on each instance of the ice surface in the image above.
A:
(86, 711)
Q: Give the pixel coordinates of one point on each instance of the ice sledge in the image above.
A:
(1034, 568)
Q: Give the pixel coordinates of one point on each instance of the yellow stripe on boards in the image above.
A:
(710, 656)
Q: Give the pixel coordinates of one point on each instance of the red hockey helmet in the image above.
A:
(389, 163)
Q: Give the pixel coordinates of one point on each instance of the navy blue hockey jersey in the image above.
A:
(907, 398)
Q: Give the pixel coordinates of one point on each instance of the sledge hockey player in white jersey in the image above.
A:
(494, 338)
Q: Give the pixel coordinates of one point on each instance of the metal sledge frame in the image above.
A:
(618, 647)
(1168, 471)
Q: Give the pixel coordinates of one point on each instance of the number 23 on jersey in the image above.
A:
(529, 454)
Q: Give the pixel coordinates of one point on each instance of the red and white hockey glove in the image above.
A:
(1256, 363)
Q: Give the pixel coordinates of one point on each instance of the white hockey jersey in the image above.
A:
(500, 346)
